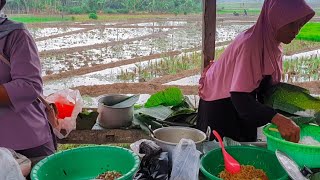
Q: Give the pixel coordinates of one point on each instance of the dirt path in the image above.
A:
(64, 34)
(149, 88)
(174, 77)
(131, 88)
(306, 49)
(313, 86)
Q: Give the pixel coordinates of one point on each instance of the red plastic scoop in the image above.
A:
(231, 165)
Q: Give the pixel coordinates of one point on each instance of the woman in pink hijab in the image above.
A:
(230, 89)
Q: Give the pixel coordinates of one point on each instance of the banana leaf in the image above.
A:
(185, 104)
(143, 121)
(184, 111)
(187, 119)
(159, 112)
(304, 120)
(168, 123)
(169, 97)
(294, 100)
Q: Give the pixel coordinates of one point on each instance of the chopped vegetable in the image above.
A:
(247, 172)
(109, 175)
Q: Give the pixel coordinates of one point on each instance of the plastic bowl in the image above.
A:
(86, 163)
(303, 154)
(212, 163)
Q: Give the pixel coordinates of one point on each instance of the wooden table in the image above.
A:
(110, 136)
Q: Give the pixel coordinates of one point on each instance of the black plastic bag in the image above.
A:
(149, 148)
(154, 165)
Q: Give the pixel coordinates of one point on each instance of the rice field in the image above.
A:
(300, 70)
(76, 54)
(310, 32)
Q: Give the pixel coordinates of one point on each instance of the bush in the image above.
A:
(123, 11)
(176, 12)
(76, 10)
(93, 16)
(110, 11)
(73, 18)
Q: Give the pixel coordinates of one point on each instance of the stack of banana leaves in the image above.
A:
(171, 108)
(166, 108)
(294, 102)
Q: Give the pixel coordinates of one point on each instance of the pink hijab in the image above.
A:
(254, 53)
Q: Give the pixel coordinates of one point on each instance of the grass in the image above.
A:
(85, 17)
(239, 4)
(38, 19)
(229, 8)
(119, 17)
(310, 32)
(240, 11)
(250, 11)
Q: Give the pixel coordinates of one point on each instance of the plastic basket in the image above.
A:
(308, 155)
(86, 163)
(212, 163)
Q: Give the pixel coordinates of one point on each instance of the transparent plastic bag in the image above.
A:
(23, 161)
(9, 167)
(185, 161)
(69, 104)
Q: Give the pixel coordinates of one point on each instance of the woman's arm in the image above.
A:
(250, 110)
(258, 115)
(26, 83)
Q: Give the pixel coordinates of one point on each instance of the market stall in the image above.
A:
(158, 118)
(164, 142)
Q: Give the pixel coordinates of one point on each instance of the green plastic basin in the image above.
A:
(212, 163)
(86, 163)
(300, 153)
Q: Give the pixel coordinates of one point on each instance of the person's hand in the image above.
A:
(288, 129)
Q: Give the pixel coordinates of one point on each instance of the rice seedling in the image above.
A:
(161, 67)
(310, 32)
(302, 69)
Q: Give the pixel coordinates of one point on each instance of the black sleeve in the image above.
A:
(251, 110)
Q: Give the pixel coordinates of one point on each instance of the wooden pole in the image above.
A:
(208, 31)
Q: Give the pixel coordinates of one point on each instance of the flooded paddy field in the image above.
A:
(162, 51)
